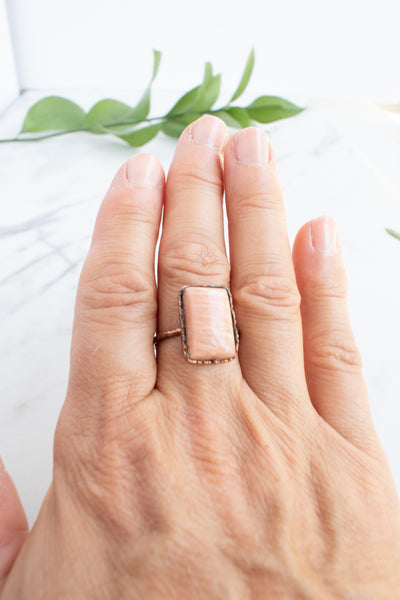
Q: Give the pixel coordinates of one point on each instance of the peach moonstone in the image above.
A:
(208, 324)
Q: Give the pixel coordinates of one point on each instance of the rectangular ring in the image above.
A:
(208, 325)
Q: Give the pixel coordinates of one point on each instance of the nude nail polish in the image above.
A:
(144, 170)
(251, 147)
(209, 131)
(324, 238)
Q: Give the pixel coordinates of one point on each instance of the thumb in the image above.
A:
(13, 524)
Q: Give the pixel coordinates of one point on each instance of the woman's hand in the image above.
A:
(258, 478)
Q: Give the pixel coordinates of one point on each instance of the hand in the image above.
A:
(259, 478)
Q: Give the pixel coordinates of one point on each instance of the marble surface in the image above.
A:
(338, 159)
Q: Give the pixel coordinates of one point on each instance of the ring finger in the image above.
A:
(263, 281)
(192, 247)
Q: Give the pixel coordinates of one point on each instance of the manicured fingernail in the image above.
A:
(251, 147)
(144, 170)
(209, 131)
(324, 238)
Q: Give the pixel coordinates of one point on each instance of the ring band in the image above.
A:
(166, 334)
(208, 328)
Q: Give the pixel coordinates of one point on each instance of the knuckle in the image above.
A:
(123, 287)
(121, 207)
(197, 176)
(335, 351)
(263, 199)
(272, 293)
(327, 288)
(200, 258)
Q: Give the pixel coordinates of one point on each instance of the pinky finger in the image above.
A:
(13, 524)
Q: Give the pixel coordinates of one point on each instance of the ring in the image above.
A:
(208, 328)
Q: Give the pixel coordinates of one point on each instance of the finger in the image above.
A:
(116, 307)
(332, 360)
(13, 524)
(263, 283)
(192, 248)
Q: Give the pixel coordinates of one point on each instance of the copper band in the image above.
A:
(166, 334)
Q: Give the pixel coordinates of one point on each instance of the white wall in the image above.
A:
(8, 78)
(341, 48)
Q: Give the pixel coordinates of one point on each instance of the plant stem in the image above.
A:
(42, 137)
(148, 120)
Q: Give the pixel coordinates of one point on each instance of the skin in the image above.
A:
(259, 478)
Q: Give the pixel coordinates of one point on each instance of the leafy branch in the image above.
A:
(53, 116)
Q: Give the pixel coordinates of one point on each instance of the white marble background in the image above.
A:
(335, 158)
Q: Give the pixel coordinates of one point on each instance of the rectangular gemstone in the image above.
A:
(208, 323)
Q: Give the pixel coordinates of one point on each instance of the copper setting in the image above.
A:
(208, 329)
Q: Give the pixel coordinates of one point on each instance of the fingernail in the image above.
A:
(144, 170)
(324, 237)
(209, 131)
(251, 147)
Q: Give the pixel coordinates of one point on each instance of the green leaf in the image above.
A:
(200, 98)
(53, 113)
(156, 63)
(139, 136)
(234, 116)
(239, 114)
(248, 70)
(272, 108)
(184, 103)
(210, 96)
(108, 113)
(393, 233)
(142, 108)
(202, 91)
(174, 127)
(227, 118)
(208, 91)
